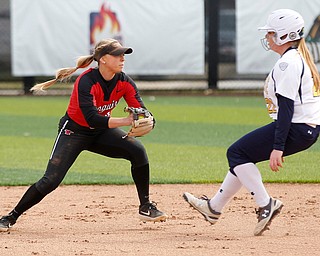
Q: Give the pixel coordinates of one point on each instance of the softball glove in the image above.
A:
(143, 121)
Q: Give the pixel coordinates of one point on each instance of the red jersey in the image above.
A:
(93, 98)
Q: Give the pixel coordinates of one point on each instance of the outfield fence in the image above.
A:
(227, 75)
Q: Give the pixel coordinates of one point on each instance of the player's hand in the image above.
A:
(130, 119)
(115, 122)
(276, 160)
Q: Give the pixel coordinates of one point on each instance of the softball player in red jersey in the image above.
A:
(88, 125)
(291, 93)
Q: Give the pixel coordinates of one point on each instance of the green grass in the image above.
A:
(188, 144)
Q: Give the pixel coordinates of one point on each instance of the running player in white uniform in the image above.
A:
(291, 93)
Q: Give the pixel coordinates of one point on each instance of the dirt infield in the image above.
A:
(102, 220)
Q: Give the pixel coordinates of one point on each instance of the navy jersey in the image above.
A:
(93, 98)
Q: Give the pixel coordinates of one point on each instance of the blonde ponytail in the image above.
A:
(82, 62)
(303, 49)
(64, 73)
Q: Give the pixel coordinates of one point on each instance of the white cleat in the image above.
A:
(202, 205)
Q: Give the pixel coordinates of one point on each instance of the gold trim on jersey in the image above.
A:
(271, 107)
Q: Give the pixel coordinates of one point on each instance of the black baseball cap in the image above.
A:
(114, 48)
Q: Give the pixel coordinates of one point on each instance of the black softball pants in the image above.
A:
(72, 139)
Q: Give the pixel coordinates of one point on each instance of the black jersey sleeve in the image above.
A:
(93, 119)
(87, 107)
(283, 123)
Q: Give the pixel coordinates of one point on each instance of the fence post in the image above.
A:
(212, 17)
(28, 82)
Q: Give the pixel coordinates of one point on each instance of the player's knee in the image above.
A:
(234, 157)
(140, 156)
(55, 161)
(231, 152)
(46, 185)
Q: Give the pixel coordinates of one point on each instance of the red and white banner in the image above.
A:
(167, 36)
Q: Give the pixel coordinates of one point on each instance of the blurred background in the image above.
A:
(226, 67)
(5, 49)
(220, 39)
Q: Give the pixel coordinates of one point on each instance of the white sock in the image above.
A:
(229, 187)
(250, 177)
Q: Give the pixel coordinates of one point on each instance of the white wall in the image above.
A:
(167, 36)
